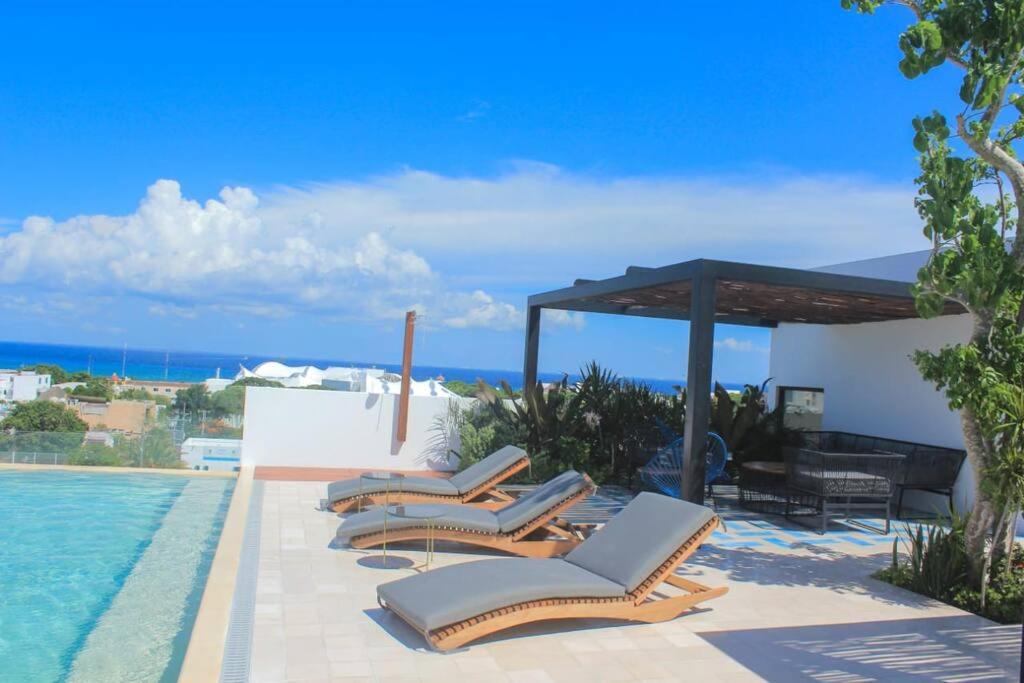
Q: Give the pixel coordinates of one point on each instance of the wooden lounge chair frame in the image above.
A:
(643, 604)
(533, 539)
(495, 499)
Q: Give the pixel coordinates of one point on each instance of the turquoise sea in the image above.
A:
(195, 366)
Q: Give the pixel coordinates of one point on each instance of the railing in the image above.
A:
(34, 458)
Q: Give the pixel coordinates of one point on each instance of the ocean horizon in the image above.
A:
(196, 366)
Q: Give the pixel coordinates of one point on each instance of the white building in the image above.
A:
(211, 454)
(22, 385)
(862, 379)
(366, 380)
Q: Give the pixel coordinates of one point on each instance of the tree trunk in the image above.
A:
(985, 512)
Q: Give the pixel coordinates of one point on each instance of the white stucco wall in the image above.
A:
(871, 384)
(301, 428)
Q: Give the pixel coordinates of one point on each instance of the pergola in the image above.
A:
(706, 292)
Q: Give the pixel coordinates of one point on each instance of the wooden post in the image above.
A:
(403, 399)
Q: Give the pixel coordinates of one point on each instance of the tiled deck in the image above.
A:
(800, 607)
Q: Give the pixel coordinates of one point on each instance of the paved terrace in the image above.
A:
(801, 607)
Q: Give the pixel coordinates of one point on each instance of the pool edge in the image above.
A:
(26, 467)
(205, 650)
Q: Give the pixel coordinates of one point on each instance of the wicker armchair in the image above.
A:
(844, 481)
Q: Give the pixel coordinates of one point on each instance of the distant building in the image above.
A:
(22, 385)
(366, 380)
(99, 438)
(215, 384)
(211, 454)
(155, 387)
(128, 417)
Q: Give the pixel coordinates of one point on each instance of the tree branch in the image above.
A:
(1003, 161)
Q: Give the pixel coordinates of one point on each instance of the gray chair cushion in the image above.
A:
(350, 488)
(531, 505)
(448, 595)
(456, 516)
(636, 541)
(479, 472)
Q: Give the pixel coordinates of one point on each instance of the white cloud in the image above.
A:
(222, 256)
(608, 223)
(560, 318)
(365, 249)
(739, 345)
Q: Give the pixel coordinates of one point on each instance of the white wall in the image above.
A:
(871, 384)
(298, 428)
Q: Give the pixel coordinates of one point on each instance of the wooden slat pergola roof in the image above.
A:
(745, 294)
(707, 292)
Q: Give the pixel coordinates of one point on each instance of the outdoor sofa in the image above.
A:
(617, 573)
(528, 526)
(925, 468)
(475, 484)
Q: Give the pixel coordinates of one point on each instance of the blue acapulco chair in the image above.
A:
(663, 472)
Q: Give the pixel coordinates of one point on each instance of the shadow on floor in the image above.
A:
(954, 648)
(813, 566)
(398, 629)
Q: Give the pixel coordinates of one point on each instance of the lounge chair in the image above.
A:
(612, 575)
(525, 527)
(476, 483)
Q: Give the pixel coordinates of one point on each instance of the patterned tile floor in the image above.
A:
(745, 529)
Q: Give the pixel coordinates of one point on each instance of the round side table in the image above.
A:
(426, 513)
(392, 481)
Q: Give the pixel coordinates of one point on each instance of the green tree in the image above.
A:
(228, 401)
(193, 399)
(135, 394)
(157, 449)
(43, 416)
(255, 382)
(96, 387)
(977, 259)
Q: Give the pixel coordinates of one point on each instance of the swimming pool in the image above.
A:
(101, 574)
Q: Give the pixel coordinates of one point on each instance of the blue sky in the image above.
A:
(454, 157)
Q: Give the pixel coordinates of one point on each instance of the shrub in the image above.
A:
(936, 566)
(96, 455)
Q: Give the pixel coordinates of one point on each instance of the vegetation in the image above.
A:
(606, 426)
(42, 416)
(937, 564)
(970, 193)
(95, 387)
(228, 401)
(193, 399)
(153, 448)
(58, 375)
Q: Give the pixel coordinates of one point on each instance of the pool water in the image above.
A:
(101, 574)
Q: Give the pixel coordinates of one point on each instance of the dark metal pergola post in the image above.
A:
(698, 387)
(532, 346)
